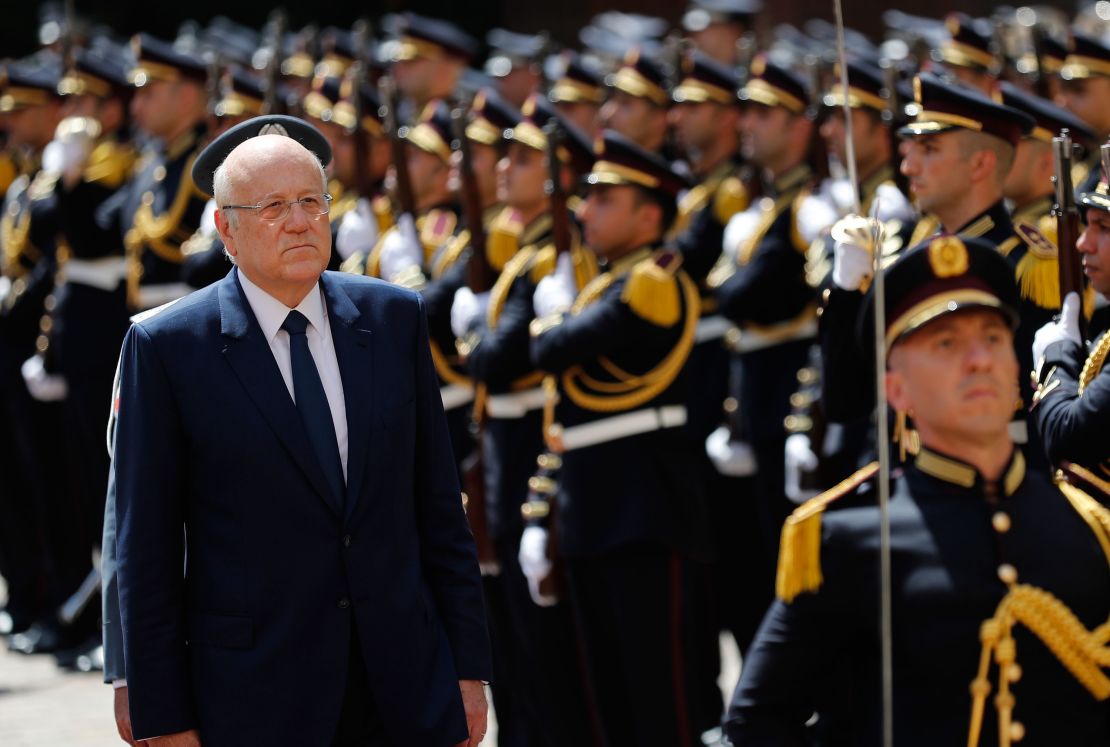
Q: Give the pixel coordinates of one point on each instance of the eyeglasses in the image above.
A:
(275, 210)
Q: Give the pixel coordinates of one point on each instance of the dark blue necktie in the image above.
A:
(312, 404)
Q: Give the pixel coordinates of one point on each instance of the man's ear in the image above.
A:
(897, 394)
(983, 164)
(223, 228)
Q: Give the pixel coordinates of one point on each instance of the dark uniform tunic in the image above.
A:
(954, 536)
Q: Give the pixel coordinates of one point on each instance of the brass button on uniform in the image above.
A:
(159, 173)
(1001, 522)
(1007, 573)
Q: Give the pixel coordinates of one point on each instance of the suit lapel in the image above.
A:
(354, 351)
(250, 357)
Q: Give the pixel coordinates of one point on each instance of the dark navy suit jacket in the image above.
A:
(215, 476)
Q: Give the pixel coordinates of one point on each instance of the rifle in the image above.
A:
(894, 116)
(1067, 220)
(272, 72)
(560, 218)
(402, 189)
(480, 276)
(818, 150)
(1041, 87)
(356, 76)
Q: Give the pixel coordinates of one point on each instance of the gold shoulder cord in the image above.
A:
(1084, 653)
(500, 291)
(629, 390)
(147, 230)
(1094, 362)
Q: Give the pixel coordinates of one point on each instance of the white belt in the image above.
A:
(455, 395)
(515, 404)
(1019, 431)
(622, 426)
(103, 274)
(161, 293)
(712, 328)
(759, 338)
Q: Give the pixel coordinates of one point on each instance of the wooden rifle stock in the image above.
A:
(272, 73)
(1067, 222)
(894, 116)
(357, 75)
(818, 149)
(480, 276)
(390, 99)
(560, 218)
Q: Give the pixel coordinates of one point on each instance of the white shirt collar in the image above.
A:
(271, 312)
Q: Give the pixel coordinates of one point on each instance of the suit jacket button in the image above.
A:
(344, 603)
(346, 540)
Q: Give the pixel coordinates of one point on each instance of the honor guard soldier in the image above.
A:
(637, 106)
(718, 28)
(539, 640)
(1085, 92)
(969, 54)
(429, 60)
(514, 64)
(631, 514)
(319, 108)
(822, 451)
(578, 95)
(160, 208)
(1028, 186)
(29, 428)
(984, 550)
(1073, 396)
(961, 147)
(361, 227)
(760, 286)
(241, 97)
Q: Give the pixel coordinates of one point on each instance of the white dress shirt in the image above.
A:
(271, 314)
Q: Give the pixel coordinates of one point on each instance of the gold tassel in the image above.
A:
(1038, 277)
(544, 263)
(907, 438)
(652, 293)
(799, 568)
(732, 198)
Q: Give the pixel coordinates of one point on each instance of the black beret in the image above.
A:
(204, 168)
(705, 79)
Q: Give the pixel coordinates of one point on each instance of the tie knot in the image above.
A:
(296, 323)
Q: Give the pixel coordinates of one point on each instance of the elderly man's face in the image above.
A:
(957, 376)
(285, 257)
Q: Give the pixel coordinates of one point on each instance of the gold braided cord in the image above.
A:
(1095, 514)
(1083, 653)
(13, 234)
(444, 368)
(499, 294)
(649, 385)
(1093, 365)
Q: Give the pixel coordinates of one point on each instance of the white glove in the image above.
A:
(358, 230)
(799, 458)
(402, 249)
(467, 307)
(43, 386)
(852, 253)
(740, 228)
(5, 287)
(66, 157)
(731, 458)
(556, 292)
(534, 563)
(1065, 328)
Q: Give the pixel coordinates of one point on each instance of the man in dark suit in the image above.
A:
(280, 436)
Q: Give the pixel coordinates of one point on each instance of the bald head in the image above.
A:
(255, 158)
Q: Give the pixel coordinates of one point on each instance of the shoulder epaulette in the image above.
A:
(543, 264)
(1046, 224)
(8, 171)
(1094, 513)
(503, 238)
(652, 292)
(799, 568)
(436, 227)
(732, 198)
(110, 164)
(1038, 271)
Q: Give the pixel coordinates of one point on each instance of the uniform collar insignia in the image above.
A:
(959, 473)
